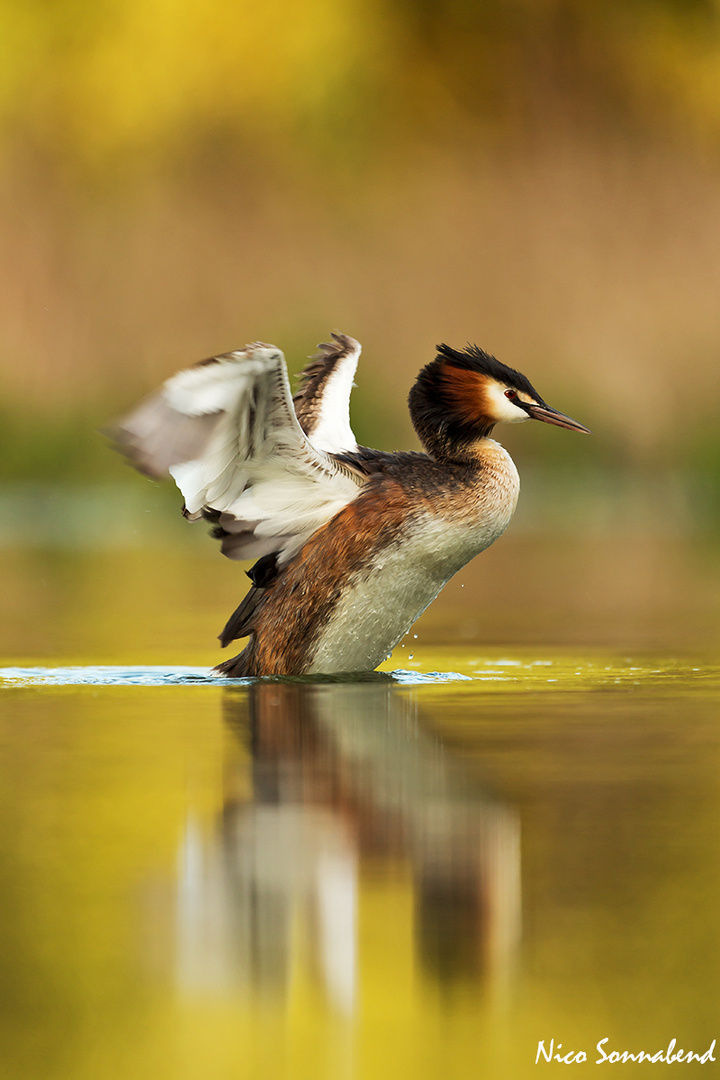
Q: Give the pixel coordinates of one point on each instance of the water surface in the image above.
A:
(400, 877)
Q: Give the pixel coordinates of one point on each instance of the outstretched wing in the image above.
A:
(227, 432)
(322, 403)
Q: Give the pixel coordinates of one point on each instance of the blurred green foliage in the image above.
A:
(52, 447)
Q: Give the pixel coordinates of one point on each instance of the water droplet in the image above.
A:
(410, 656)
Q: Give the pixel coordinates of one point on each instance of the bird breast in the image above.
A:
(381, 600)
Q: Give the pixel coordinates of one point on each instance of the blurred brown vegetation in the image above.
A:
(539, 176)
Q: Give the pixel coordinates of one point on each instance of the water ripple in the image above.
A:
(184, 676)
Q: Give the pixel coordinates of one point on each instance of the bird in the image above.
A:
(350, 545)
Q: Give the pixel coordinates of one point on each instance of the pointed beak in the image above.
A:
(552, 416)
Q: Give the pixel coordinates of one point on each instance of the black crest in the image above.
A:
(473, 358)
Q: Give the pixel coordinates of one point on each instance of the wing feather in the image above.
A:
(227, 432)
(322, 403)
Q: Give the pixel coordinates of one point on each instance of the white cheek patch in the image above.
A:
(503, 409)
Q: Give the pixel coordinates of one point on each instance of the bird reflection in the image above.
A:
(346, 780)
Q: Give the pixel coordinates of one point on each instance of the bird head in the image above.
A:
(459, 397)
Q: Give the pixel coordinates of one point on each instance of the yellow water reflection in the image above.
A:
(356, 880)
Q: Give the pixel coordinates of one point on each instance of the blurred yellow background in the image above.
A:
(538, 176)
(541, 177)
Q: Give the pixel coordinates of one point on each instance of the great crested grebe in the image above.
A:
(351, 544)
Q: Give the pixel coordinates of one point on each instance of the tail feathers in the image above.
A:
(237, 667)
(240, 622)
(262, 575)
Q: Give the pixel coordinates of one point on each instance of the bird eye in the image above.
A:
(511, 394)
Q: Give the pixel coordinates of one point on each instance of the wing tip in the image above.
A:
(342, 345)
(127, 444)
(322, 363)
(245, 353)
